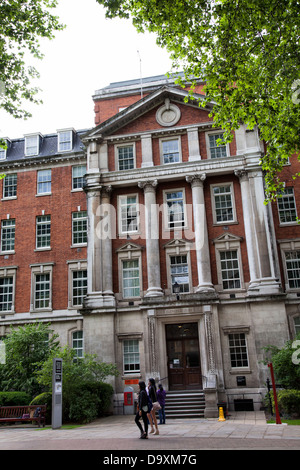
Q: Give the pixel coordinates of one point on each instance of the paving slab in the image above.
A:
(239, 431)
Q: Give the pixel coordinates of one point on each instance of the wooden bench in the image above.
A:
(10, 414)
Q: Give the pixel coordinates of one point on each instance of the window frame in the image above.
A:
(36, 270)
(161, 145)
(287, 246)
(281, 198)
(47, 235)
(69, 140)
(133, 353)
(78, 178)
(83, 232)
(120, 213)
(7, 185)
(117, 155)
(80, 343)
(5, 273)
(35, 147)
(227, 243)
(40, 184)
(208, 148)
(238, 351)
(214, 208)
(167, 221)
(13, 226)
(129, 252)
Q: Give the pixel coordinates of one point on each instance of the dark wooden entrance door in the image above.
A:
(184, 371)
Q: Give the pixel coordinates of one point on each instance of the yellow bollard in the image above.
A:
(221, 414)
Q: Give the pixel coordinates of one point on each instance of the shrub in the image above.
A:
(89, 400)
(14, 398)
(288, 402)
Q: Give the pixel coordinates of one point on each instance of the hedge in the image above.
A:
(288, 402)
(85, 403)
(14, 398)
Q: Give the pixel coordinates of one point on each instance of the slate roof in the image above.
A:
(48, 147)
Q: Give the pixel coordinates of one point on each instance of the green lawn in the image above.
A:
(291, 422)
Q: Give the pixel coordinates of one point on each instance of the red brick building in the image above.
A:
(169, 263)
(190, 274)
(43, 231)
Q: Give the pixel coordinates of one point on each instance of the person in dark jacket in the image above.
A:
(142, 410)
(161, 398)
(153, 398)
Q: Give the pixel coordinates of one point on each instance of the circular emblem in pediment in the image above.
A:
(168, 114)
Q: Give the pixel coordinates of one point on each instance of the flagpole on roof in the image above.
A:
(141, 77)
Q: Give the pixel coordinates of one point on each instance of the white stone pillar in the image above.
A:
(258, 234)
(249, 229)
(152, 239)
(93, 190)
(193, 142)
(201, 235)
(106, 234)
(147, 156)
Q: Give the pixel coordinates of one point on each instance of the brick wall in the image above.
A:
(60, 205)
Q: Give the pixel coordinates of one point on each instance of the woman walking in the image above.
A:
(153, 398)
(142, 410)
(161, 398)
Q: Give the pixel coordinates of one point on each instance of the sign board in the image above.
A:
(57, 394)
(131, 381)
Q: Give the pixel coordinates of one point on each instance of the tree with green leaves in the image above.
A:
(84, 389)
(22, 24)
(26, 347)
(286, 363)
(248, 54)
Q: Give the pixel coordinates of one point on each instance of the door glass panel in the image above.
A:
(183, 330)
(192, 353)
(175, 354)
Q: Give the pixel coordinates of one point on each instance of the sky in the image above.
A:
(89, 54)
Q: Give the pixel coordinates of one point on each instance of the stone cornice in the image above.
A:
(176, 171)
(40, 161)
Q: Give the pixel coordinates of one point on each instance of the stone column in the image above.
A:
(147, 157)
(249, 229)
(106, 234)
(258, 234)
(152, 239)
(193, 142)
(201, 236)
(93, 190)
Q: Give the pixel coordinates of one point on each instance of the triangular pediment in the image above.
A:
(178, 243)
(129, 246)
(141, 107)
(227, 238)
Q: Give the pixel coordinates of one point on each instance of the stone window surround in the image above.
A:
(124, 144)
(285, 224)
(41, 268)
(211, 132)
(178, 248)
(121, 233)
(74, 265)
(10, 271)
(129, 252)
(128, 336)
(228, 222)
(288, 245)
(227, 330)
(164, 139)
(228, 242)
(166, 227)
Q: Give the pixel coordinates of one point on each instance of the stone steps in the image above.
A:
(185, 404)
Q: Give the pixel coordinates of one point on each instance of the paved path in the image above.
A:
(241, 430)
